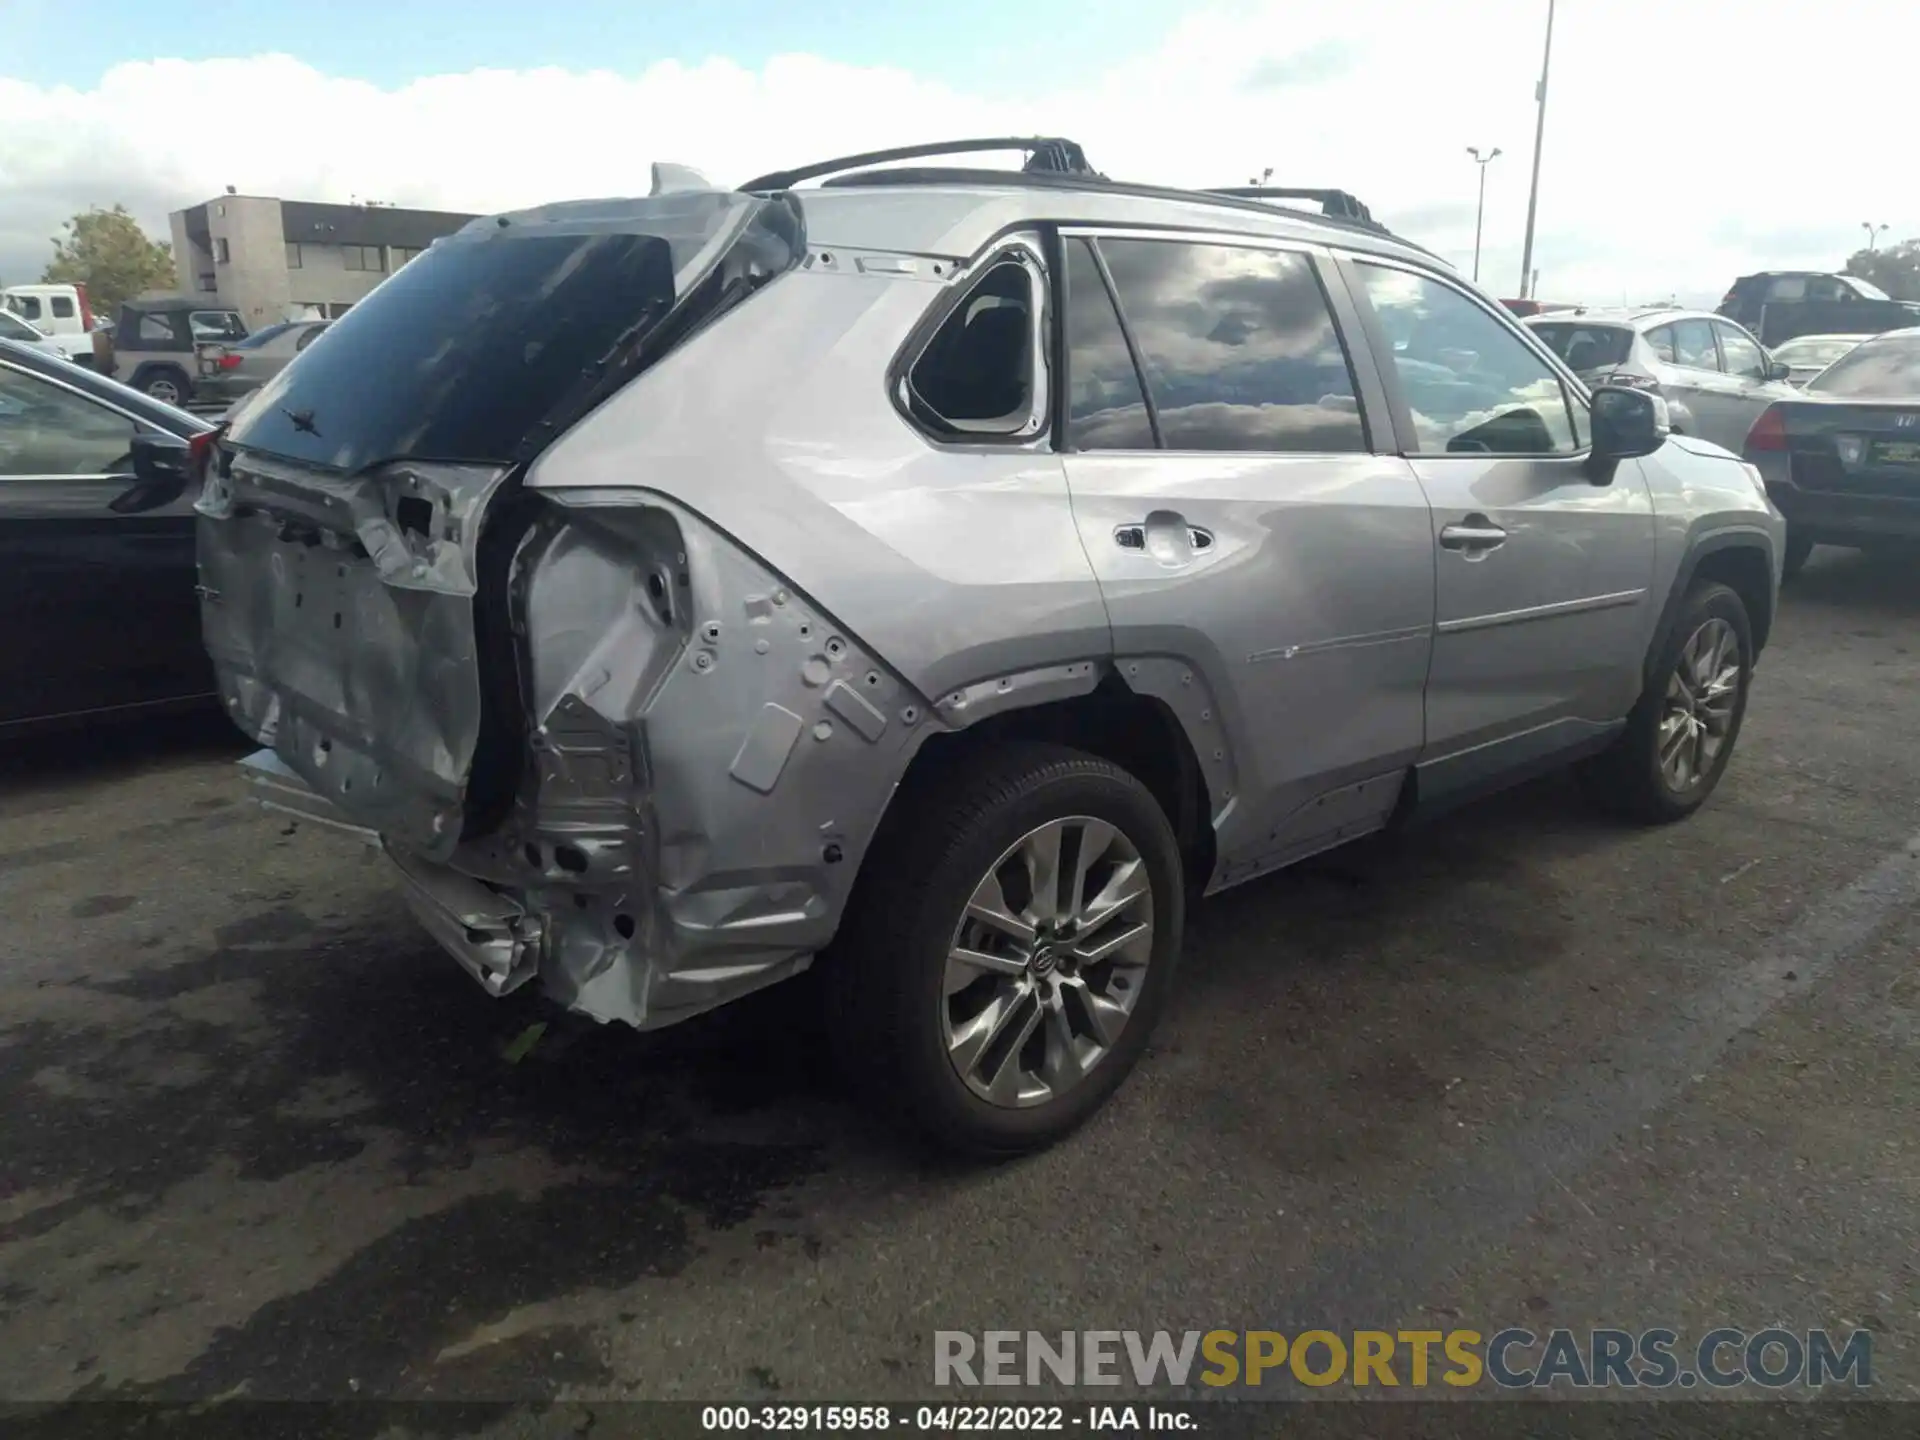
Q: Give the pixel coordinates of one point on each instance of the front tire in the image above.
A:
(1681, 734)
(1010, 947)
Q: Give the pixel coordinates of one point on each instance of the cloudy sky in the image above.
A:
(1687, 141)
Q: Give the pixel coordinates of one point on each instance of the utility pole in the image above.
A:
(1480, 211)
(1539, 136)
(1874, 232)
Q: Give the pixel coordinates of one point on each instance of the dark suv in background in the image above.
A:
(1777, 305)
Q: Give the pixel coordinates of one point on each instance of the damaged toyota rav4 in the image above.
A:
(939, 577)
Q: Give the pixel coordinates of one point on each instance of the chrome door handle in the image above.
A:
(1476, 533)
(1134, 537)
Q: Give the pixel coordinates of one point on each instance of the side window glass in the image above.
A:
(1693, 345)
(1741, 356)
(1826, 288)
(1106, 408)
(62, 308)
(156, 328)
(976, 375)
(1239, 347)
(27, 305)
(1471, 385)
(45, 430)
(1787, 288)
(1661, 342)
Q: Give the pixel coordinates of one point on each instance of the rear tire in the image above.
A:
(1794, 560)
(168, 384)
(999, 1037)
(1680, 736)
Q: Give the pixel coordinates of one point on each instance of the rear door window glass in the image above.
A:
(1239, 347)
(1660, 341)
(1106, 407)
(1471, 385)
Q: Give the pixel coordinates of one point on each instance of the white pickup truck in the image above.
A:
(59, 312)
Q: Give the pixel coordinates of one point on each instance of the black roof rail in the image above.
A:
(1045, 155)
(1336, 204)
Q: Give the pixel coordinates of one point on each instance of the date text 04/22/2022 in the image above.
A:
(944, 1419)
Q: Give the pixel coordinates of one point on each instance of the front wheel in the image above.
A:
(1010, 949)
(1681, 734)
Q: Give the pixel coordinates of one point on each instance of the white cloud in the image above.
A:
(1670, 165)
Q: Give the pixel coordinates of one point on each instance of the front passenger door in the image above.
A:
(1541, 586)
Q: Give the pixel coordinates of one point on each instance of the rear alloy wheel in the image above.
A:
(1047, 962)
(1680, 736)
(1009, 948)
(167, 386)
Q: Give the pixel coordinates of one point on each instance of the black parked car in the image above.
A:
(1778, 305)
(98, 614)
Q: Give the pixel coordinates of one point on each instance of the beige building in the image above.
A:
(280, 259)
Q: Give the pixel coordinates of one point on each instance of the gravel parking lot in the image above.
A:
(1522, 1067)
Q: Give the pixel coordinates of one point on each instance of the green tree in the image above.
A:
(106, 251)
(1894, 268)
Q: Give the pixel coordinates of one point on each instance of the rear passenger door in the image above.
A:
(1542, 574)
(1244, 513)
(1695, 379)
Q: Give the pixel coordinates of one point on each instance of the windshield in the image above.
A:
(462, 353)
(1868, 288)
(1882, 369)
(1586, 347)
(1813, 350)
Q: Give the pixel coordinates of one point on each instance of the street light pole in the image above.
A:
(1480, 211)
(1874, 232)
(1539, 135)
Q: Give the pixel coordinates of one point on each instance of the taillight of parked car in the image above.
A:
(1769, 432)
(230, 361)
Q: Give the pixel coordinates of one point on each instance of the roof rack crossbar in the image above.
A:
(1337, 203)
(1049, 154)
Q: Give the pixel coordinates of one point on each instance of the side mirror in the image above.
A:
(162, 465)
(1779, 370)
(1627, 423)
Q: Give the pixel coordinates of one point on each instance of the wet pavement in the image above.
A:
(1524, 1066)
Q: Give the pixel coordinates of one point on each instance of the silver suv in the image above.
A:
(938, 576)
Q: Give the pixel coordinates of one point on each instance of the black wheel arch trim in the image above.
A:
(1739, 537)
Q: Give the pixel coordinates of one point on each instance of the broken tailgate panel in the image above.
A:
(339, 613)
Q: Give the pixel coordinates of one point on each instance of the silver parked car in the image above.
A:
(229, 371)
(1715, 377)
(1805, 356)
(937, 575)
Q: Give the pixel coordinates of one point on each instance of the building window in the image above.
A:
(403, 253)
(221, 255)
(293, 255)
(207, 282)
(363, 257)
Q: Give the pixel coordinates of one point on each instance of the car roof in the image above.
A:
(955, 214)
(1797, 339)
(1635, 317)
(53, 367)
(162, 301)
